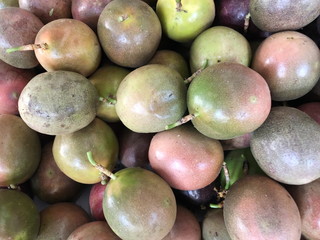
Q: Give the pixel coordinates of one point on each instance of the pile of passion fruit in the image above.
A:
(170, 119)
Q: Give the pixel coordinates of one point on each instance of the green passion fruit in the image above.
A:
(19, 218)
(227, 100)
(20, 150)
(58, 102)
(69, 151)
(150, 97)
(139, 204)
(183, 20)
(219, 44)
(107, 79)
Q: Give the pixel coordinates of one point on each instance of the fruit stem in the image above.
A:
(29, 47)
(227, 176)
(216, 205)
(183, 120)
(108, 99)
(196, 73)
(100, 167)
(179, 6)
(246, 22)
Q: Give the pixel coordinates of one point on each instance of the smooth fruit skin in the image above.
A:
(95, 230)
(290, 63)
(257, 207)
(279, 15)
(49, 183)
(129, 32)
(139, 204)
(229, 100)
(107, 79)
(186, 226)
(72, 46)
(20, 150)
(70, 151)
(183, 20)
(151, 97)
(184, 153)
(287, 146)
(219, 44)
(12, 81)
(48, 11)
(59, 220)
(19, 218)
(18, 27)
(58, 102)
(307, 197)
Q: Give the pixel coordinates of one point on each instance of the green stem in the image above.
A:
(108, 99)
(183, 120)
(196, 73)
(29, 47)
(100, 167)
(216, 205)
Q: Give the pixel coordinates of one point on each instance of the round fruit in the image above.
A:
(92, 231)
(257, 207)
(275, 16)
(20, 150)
(19, 218)
(18, 27)
(287, 146)
(138, 204)
(12, 81)
(107, 79)
(307, 197)
(69, 45)
(59, 220)
(49, 183)
(48, 11)
(58, 102)
(228, 100)
(185, 158)
(290, 63)
(129, 32)
(225, 45)
(183, 20)
(70, 151)
(213, 226)
(151, 97)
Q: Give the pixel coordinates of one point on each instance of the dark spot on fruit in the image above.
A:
(62, 125)
(216, 234)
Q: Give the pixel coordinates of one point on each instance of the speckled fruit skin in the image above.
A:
(20, 150)
(287, 146)
(19, 218)
(229, 100)
(185, 153)
(278, 15)
(18, 27)
(290, 63)
(257, 207)
(58, 102)
(307, 197)
(129, 32)
(139, 204)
